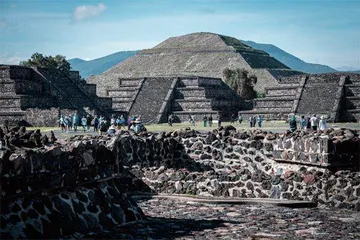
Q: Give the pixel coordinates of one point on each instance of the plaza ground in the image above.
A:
(273, 126)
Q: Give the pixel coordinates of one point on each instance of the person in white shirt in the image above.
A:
(322, 123)
(314, 122)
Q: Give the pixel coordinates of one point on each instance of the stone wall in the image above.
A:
(63, 190)
(26, 92)
(76, 187)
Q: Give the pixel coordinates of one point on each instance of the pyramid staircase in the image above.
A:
(351, 100)
(198, 96)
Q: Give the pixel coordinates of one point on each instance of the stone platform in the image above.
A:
(173, 219)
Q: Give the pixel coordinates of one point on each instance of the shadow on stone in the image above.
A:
(161, 228)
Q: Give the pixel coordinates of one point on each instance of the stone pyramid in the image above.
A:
(196, 54)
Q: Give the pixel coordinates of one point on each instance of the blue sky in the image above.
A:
(318, 31)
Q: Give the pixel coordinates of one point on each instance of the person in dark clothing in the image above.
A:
(96, 124)
(219, 120)
(88, 119)
(210, 121)
(293, 124)
(205, 119)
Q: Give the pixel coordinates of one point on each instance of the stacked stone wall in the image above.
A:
(67, 190)
(77, 187)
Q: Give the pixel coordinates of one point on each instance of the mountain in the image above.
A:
(290, 60)
(99, 65)
(348, 69)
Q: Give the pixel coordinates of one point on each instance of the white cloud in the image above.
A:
(87, 11)
(11, 59)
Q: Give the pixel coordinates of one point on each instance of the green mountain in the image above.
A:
(99, 65)
(290, 60)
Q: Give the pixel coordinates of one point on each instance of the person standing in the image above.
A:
(219, 120)
(303, 123)
(322, 123)
(240, 118)
(170, 120)
(254, 121)
(259, 121)
(84, 123)
(88, 122)
(292, 124)
(205, 119)
(210, 120)
(75, 122)
(251, 121)
(96, 124)
(314, 122)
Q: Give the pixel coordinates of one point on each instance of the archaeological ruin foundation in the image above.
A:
(80, 186)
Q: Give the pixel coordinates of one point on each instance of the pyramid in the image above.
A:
(196, 54)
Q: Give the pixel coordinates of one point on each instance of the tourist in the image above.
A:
(66, 123)
(88, 123)
(191, 120)
(62, 123)
(113, 120)
(308, 124)
(205, 119)
(84, 123)
(138, 126)
(210, 120)
(118, 122)
(111, 131)
(303, 123)
(103, 126)
(219, 120)
(322, 123)
(75, 122)
(251, 121)
(293, 124)
(254, 121)
(314, 122)
(260, 121)
(170, 120)
(240, 119)
(96, 123)
(69, 123)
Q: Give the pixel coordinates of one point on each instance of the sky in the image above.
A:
(317, 31)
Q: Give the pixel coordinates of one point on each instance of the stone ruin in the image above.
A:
(334, 95)
(205, 56)
(155, 98)
(38, 96)
(79, 187)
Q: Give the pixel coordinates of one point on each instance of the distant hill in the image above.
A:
(290, 60)
(99, 65)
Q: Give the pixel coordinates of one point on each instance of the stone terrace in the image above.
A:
(39, 96)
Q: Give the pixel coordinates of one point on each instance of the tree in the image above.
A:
(38, 60)
(240, 81)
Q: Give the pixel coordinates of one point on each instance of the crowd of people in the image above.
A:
(307, 124)
(101, 124)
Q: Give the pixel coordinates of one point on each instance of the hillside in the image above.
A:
(99, 65)
(290, 60)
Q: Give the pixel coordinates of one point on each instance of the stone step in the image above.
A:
(124, 94)
(275, 109)
(129, 82)
(281, 92)
(121, 105)
(122, 99)
(352, 103)
(283, 96)
(13, 113)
